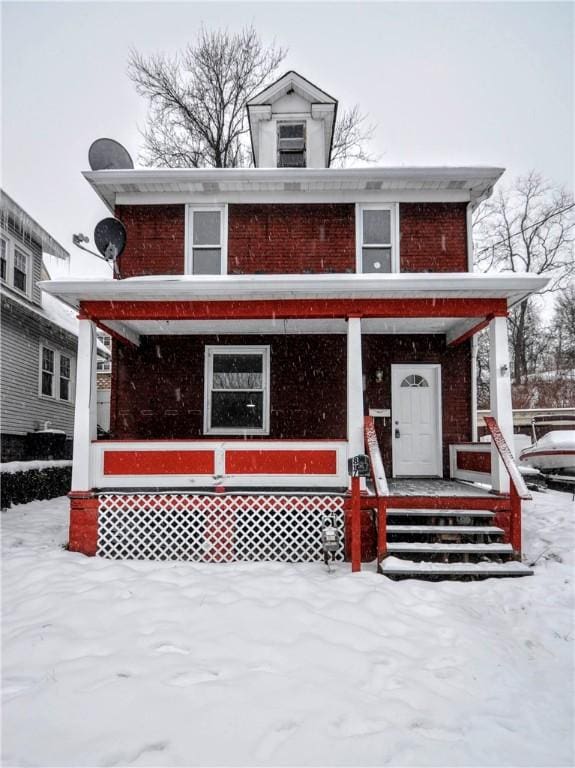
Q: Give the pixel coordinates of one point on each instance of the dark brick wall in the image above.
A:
(382, 351)
(158, 388)
(155, 239)
(433, 237)
(281, 239)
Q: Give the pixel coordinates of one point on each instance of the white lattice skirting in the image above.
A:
(162, 526)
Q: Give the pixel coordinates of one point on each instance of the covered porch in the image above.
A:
(358, 328)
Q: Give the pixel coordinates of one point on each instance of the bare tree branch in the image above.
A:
(528, 228)
(351, 134)
(197, 113)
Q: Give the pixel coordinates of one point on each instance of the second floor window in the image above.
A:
(3, 258)
(291, 145)
(20, 271)
(207, 238)
(376, 246)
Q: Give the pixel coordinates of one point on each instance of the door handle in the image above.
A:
(397, 433)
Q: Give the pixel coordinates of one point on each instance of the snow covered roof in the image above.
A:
(313, 185)
(27, 224)
(512, 287)
(59, 313)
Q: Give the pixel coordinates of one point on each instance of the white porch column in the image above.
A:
(500, 397)
(355, 438)
(85, 425)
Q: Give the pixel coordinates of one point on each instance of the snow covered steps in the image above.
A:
(457, 544)
(398, 569)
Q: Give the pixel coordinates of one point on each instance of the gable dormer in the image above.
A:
(291, 124)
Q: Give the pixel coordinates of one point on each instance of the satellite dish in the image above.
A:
(110, 238)
(107, 154)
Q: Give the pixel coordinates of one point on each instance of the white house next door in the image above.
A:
(416, 420)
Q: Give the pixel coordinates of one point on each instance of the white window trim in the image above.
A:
(11, 246)
(210, 350)
(189, 239)
(394, 210)
(55, 396)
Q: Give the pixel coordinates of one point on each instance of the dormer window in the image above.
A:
(291, 145)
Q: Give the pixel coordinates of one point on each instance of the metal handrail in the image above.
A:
(507, 457)
(377, 470)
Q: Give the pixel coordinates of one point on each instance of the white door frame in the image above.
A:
(413, 367)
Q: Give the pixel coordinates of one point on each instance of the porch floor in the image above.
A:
(434, 486)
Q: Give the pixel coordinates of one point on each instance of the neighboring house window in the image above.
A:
(376, 239)
(65, 375)
(291, 145)
(237, 390)
(3, 258)
(207, 240)
(55, 374)
(103, 366)
(20, 271)
(47, 387)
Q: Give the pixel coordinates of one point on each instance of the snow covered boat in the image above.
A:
(554, 451)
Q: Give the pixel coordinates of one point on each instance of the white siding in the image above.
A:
(22, 407)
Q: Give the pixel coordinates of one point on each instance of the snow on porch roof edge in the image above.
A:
(514, 288)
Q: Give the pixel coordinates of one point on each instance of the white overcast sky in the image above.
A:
(446, 84)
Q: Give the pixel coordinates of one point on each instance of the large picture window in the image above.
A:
(376, 239)
(207, 240)
(237, 390)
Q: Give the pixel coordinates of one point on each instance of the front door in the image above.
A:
(416, 420)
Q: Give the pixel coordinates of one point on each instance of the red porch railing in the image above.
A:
(518, 489)
(380, 485)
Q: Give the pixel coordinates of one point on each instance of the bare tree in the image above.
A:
(197, 102)
(563, 329)
(351, 135)
(197, 98)
(528, 228)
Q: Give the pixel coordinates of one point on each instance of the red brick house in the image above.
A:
(271, 322)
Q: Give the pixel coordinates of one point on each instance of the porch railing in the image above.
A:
(518, 489)
(380, 485)
(218, 464)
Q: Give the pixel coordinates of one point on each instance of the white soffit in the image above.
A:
(284, 327)
(181, 185)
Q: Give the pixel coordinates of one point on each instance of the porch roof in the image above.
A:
(513, 288)
(457, 305)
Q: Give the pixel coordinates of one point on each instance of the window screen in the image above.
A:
(206, 242)
(376, 240)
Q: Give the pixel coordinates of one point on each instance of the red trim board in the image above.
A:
(291, 308)
(158, 462)
(281, 462)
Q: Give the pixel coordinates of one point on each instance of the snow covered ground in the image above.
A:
(171, 664)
